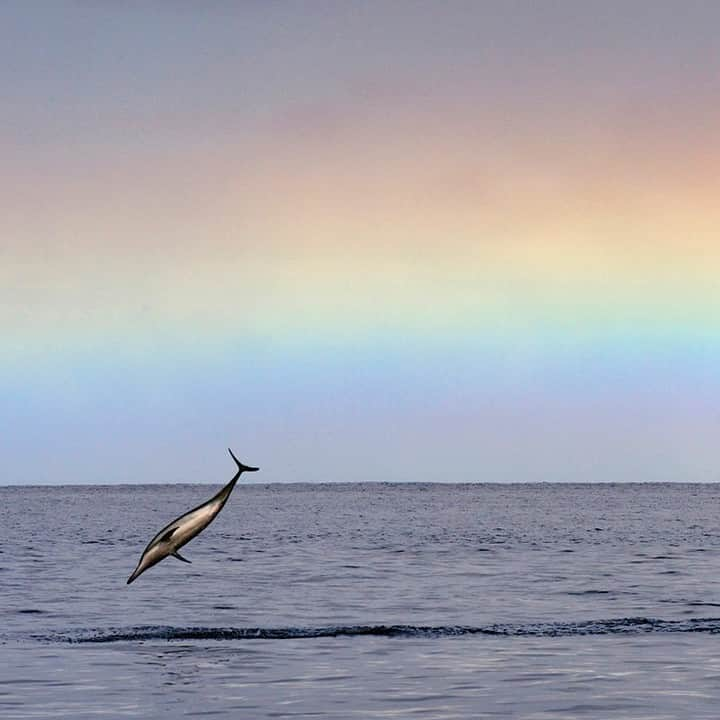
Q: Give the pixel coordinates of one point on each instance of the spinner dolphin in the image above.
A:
(183, 529)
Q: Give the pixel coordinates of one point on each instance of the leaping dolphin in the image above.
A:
(182, 530)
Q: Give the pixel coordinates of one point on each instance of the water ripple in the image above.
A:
(618, 626)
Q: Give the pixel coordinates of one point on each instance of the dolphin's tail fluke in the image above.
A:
(241, 468)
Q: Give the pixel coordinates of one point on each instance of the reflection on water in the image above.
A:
(629, 677)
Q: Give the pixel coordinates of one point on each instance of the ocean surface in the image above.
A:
(364, 601)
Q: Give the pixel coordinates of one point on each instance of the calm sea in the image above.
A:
(364, 601)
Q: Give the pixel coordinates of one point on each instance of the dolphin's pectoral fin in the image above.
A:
(180, 557)
(167, 535)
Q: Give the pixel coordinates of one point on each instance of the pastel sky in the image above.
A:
(435, 241)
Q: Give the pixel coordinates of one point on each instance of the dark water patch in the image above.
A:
(619, 626)
(30, 611)
(689, 603)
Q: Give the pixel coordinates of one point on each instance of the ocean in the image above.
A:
(364, 601)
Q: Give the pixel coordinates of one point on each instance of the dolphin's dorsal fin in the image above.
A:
(180, 557)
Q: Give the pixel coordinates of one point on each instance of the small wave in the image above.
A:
(620, 626)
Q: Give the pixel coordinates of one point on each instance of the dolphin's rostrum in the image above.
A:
(180, 531)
